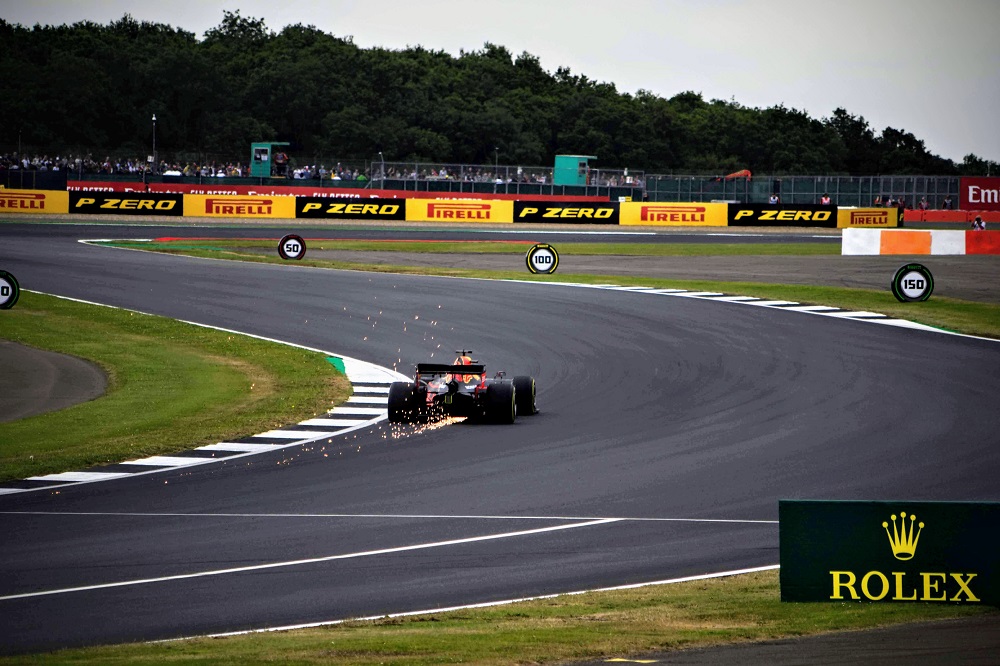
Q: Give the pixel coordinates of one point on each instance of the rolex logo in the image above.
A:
(902, 540)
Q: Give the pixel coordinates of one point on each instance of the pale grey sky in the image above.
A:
(928, 67)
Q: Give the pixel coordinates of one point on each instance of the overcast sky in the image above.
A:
(929, 67)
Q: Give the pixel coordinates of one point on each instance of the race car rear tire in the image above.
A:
(403, 403)
(501, 403)
(524, 389)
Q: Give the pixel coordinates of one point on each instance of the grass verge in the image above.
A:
(172, 386)
(971, 318)
(577, 627)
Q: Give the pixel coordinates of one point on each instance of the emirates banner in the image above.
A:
(979, 194)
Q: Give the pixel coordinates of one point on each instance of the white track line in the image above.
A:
(295, 435)
(239, 446)
(167, 461)
(311, 560)
(329, 423)
(80, 476)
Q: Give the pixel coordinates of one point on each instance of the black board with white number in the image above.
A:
(542, 258)
(912, 283)
(10, 290)
(291, 247)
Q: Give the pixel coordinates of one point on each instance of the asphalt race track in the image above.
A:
(669, 429)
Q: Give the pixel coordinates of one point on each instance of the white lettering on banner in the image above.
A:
(981, 195)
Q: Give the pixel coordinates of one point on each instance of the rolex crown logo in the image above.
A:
(902, 540)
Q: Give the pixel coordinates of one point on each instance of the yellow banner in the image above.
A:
(872, 218)
(459, 210)
(636, 213)
(247, 206)
(34, 201)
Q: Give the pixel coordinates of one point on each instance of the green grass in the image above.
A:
(172, 386)
(967, 317)
(588, 626)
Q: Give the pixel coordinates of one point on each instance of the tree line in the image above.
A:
(94, 88)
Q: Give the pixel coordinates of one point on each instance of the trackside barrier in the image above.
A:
(34, 201)
(130, 203)
(214, 205)
(901, 241)
(868, 217)
(465, 210)
(350, 209)
(578, 211)
(951, 216)
(782, 215)
(571, 212)
(674, 214)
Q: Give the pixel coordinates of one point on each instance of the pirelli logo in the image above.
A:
(672, 214)
(459, 211)
(24, 201)
(236, 206)
(870, 219)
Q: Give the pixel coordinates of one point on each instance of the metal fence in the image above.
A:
(843, 190)
(499, 173)
(496, 178)
(501, 179)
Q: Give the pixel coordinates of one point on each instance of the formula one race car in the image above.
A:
(461, 389)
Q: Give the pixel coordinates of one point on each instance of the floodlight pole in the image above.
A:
(154, 143)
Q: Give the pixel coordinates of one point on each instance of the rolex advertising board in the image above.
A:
(890, 551)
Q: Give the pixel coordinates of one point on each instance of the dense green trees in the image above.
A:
(95, 88)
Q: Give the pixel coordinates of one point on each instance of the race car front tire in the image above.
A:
(403, 403)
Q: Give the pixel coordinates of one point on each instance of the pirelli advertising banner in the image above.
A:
(248, 206)
(870, 218)
(782, 215)
(350, 209)
(566, 212)
(674, 214)
(33, 201)
(122, 203)
(459, 210)
(884, 552)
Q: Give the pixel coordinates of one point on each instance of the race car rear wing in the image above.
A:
(447, 368)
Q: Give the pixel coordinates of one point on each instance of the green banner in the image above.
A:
(890, 551)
